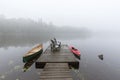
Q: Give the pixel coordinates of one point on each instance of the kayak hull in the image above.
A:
(75, 51)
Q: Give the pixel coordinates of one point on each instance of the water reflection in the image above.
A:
(24, 32)
(30, 63)
(21, 41)
(12, 65)
(91, 68)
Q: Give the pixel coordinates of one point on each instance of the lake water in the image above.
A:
(91, 67)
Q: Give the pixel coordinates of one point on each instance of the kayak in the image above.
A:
(75, 51)
(33, 53)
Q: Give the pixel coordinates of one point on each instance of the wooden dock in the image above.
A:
(56, 71)
(56, 65)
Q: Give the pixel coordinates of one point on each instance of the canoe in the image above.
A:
(33, 53)
(75, 51)
(28, 64)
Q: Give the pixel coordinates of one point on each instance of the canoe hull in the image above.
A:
(31, 57)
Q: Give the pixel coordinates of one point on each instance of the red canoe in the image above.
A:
(75, 51)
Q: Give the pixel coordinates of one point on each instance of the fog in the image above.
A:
(92, 26)
(24, 32)
(28, 22)
(95, 15)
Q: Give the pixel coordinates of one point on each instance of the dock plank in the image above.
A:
(56, 71)
(56, 79)
(64, 55)
(56, 64)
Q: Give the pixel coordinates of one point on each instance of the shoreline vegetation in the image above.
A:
(19, 32)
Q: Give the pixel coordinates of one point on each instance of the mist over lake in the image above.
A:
(23, 32)
(93, 27)
(91, 67)
(18, 36)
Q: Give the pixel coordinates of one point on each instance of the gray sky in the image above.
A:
(93, 14)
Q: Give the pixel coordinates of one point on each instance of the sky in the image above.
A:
(93, 14)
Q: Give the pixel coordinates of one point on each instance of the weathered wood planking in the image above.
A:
(62, 56)
(56, 71)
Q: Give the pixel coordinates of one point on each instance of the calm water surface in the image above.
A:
(91, 67)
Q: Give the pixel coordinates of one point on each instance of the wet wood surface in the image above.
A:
(61, 56)
(56, 71)
(56, 65)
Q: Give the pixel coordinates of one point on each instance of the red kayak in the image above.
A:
(75, 51)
